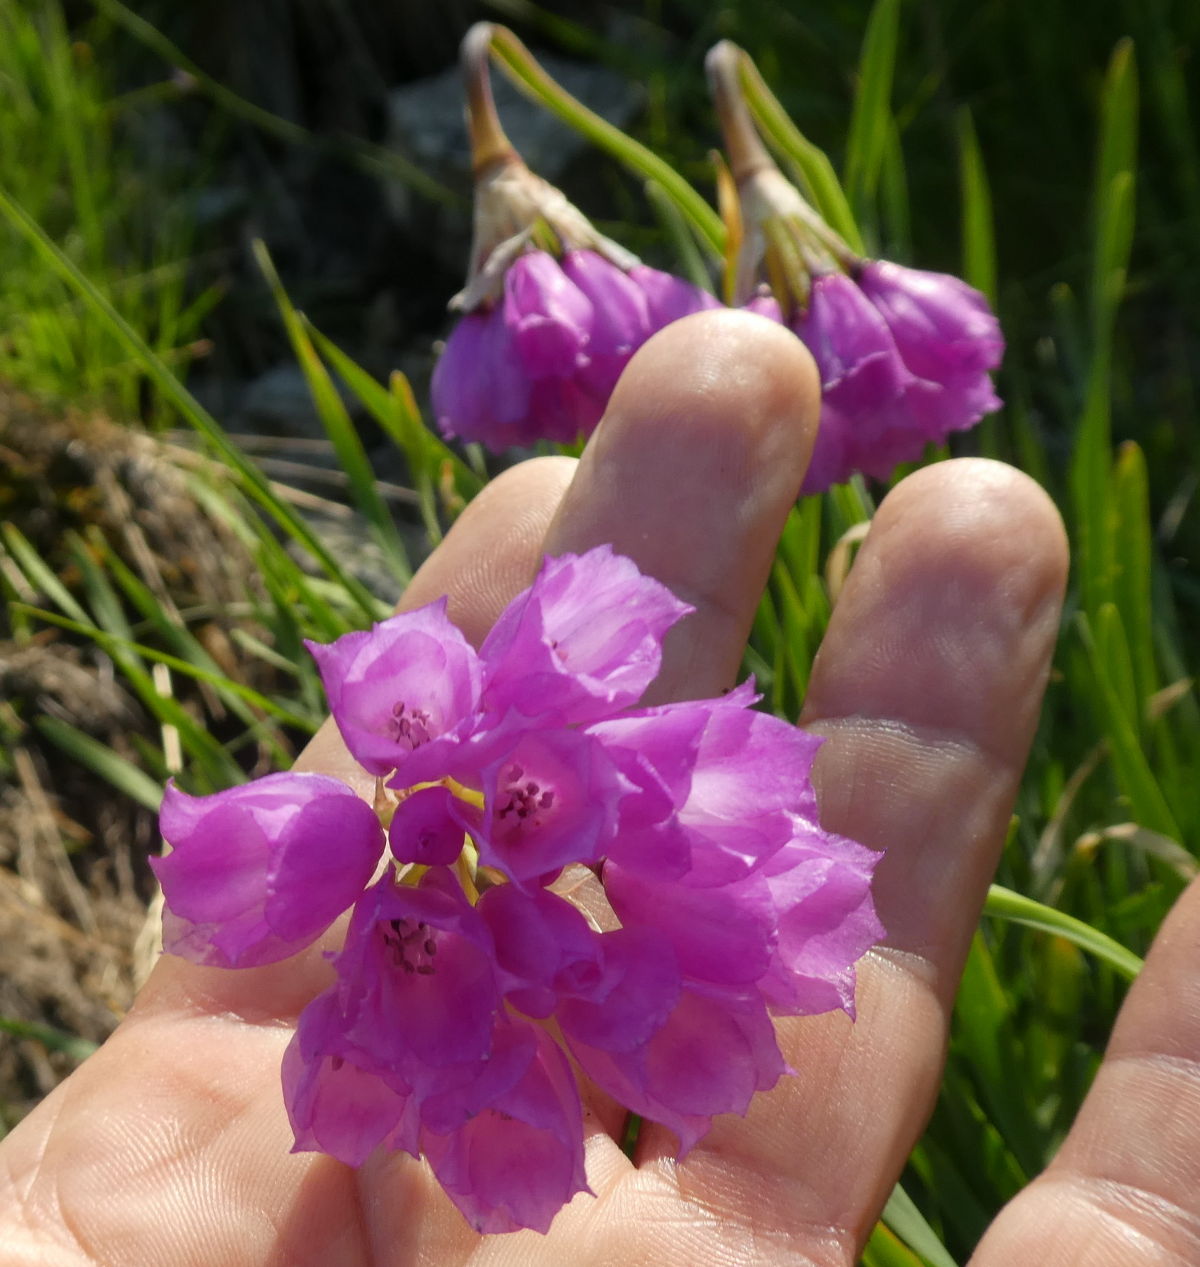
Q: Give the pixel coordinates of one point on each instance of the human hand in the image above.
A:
(171, 1144)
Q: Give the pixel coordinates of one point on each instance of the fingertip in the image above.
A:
(968, 498)
(727, 382)
(952, 608)
(692, 473)
(494, 548)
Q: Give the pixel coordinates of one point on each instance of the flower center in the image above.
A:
(409, 726)
(412, 946)
(523, 799)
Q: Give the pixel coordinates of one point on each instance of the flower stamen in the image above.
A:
(412, 948)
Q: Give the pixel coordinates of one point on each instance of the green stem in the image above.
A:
(518, 63)
(809, 162)
(1005, 904)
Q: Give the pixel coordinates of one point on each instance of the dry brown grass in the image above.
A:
(77, 901)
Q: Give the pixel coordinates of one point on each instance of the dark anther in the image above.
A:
(430, 947)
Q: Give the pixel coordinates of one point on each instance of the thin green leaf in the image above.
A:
(102, 760)
(38, 574)
(1113, 686)
(1113, 202)
(1132, 559)
(339, 426)
(978, 221)
(1004, 904)
(52, 1039)
(124, 648)
(872, 113)
(908, 1223)
(885, 1249)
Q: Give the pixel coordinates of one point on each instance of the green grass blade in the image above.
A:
(910, 1225)
(1004, 904)
(124, 647)
(52, 1039)
(1132, 558)
(895, 199)
(871, 116)
(101, 760)
(1113, 659)
(978, 220)
(339, 426)
(253, 481)
(1113, 677)
(430, 460)
(886, 1249)
(1116, 165)
(1113, 202)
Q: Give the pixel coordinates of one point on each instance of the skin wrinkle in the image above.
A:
(39, 1222)
(1140, 1083)
(941, 741)
(1133, 1210)
(797, 1235)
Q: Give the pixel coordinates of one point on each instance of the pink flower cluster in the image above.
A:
(542, 361)
(904, 357)
(497, 770)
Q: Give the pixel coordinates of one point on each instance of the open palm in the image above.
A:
(171, 1145)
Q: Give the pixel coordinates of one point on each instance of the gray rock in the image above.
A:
(278, 403)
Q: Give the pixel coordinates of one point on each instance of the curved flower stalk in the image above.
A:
(904, 355)
(553, 310)
(504, 775)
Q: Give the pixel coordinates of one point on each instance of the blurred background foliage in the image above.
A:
(210, 449)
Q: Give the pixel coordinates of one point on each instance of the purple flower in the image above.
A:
(903, 356)
(542, 360)
(508, 1149)
(260, 871)
(408, 681)
(497, 769)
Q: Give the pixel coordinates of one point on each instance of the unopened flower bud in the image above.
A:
(553, 309)
(904, 355)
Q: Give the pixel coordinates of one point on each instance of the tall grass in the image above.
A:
(70, 158)
(1108, 818)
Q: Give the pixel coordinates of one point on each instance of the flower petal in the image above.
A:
(400, 687)
(261, 870)
(517, 1159)
(584, 641)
